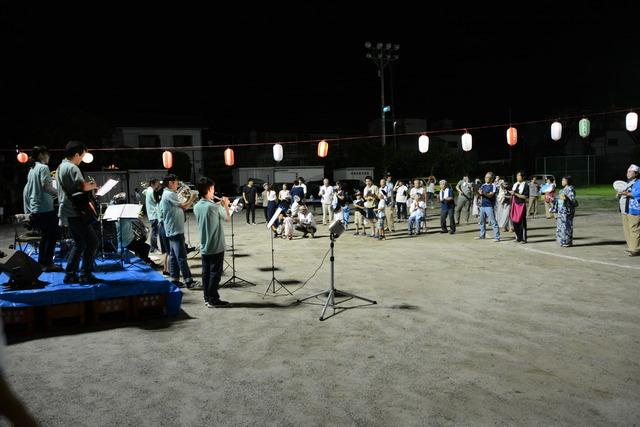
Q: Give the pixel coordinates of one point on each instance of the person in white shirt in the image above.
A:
(380, 214)
(417, 189)
(401, 191)
(306, 222)
(284, 193)
(418, 207)
(431, 191)
(447, 207)
(326, 198)
(390, 209)
(370, 196)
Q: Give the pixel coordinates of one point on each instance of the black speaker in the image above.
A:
(23, 271)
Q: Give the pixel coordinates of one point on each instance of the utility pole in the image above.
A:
(382, 54)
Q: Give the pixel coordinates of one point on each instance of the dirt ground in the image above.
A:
(464, 332)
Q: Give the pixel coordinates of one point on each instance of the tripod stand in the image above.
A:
(234, 280)
(332, 292)
(274, 281)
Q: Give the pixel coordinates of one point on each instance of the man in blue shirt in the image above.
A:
(173, 220)
(630, 207)
(152, 212)
(209, 217)
(39, 193)
(487, 194)
(85, 239)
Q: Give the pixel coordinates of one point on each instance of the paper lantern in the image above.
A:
(22, 157)
(228, 157)
(423, 143)
(278, 152)
(556, 131)
(323, 148)
(512, 136)
(584, 127)
(87, 158)
(632, 121)
(167, 159)
(467, 141)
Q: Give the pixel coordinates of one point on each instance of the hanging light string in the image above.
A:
(367, 137)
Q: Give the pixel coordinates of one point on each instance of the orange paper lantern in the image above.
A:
(228, 157)
(167, 159)
(323, 148)
(512, 136)
(22, 157)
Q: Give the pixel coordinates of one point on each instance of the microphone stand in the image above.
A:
(234, 280)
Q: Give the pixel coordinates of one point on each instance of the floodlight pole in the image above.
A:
(382, 54)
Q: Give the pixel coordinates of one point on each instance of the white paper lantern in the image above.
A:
(278, 152)
(87, 158)
(423, 143)
(556, 131)
(467, 141)
(632, 121)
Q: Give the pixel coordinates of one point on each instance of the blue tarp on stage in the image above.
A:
(137, 279)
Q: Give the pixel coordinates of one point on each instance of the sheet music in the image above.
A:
(115, 212)
(108, 186)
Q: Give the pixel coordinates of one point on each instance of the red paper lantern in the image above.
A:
(228, 157)
(167, 159)
(512, 136)
(323, 148)
(22, 157)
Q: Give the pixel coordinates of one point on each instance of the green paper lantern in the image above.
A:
(584, 128)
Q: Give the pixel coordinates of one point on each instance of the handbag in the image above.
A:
(517, 210)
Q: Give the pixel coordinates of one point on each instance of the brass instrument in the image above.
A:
(185, 193)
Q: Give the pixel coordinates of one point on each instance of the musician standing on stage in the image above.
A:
(39, 193)
(173, 220)
(209, 216)
(85, 240)
(630, 208)
(152, 212)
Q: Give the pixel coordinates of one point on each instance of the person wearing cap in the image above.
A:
(306, 222)
(630, 209)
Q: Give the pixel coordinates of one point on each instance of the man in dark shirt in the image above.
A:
(250, 197)
(487, 194)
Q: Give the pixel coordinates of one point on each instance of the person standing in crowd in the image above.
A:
(265, 201)
(380, 213)
(272, 202)
(549, 197)
(630, 210)
(401, 191)
(39, 203)
(370, 195)
(342, 208)
(297, 190)
(209, 218)
(503, 207)
(465, 199)
(519, 197)
(304, 187)
(85, 240)
(534, 192)
(173, 220)
(431, 192)
(162, 235)
(487, 193)
(306, 222)
(250, 198)
(390, 212)
(417, 208)
(360, 213)
(447, 207)
(152, 212)
(566, 210)
(326, 198)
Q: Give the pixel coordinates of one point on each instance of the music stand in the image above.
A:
(335, 229)
(274, 281)
(118, 213)
(234, 280)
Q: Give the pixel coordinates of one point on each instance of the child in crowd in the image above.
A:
(382, 204)
(358, 204)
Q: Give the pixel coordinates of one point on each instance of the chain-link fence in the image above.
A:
(582, 168)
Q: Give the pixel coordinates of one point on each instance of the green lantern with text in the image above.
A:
(584, 127)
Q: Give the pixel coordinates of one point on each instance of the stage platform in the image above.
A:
(130, 280)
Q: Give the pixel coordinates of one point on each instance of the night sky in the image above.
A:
(303, 67)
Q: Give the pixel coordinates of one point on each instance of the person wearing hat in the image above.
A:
(306, 222)
(630, 209)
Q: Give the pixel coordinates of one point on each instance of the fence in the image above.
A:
(583, 169)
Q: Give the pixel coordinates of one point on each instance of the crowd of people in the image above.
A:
(377, 209)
